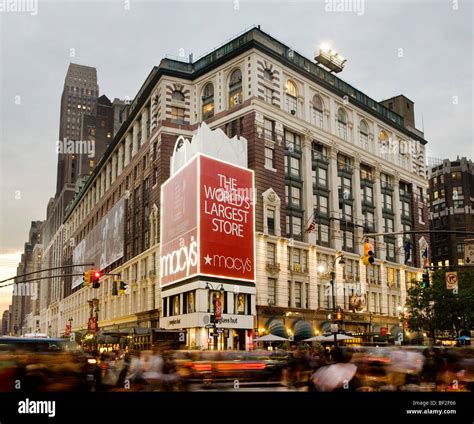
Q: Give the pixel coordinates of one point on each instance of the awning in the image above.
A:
(302, 330)
(277, 328)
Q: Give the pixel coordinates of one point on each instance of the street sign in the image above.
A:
(452, 280)
(469, 254)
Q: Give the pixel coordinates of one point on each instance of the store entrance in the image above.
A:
(239, 340)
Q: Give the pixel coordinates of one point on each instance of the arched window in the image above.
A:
(291, 97)
(235, 88)
(208, 101)
(364, 134)
(177, 95)
(318, 111)
(267, 75)
(341, 123)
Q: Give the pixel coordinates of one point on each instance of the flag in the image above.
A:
(407, 249)
(424, 255)
(312, 225)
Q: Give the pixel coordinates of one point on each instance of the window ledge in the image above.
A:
(270, 169)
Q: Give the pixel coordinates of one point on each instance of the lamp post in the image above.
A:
(340, 257)
(217, 315)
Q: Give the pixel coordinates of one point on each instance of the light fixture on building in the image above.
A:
(329, 58)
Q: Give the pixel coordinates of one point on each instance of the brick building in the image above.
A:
(451, 208)
(318, 146)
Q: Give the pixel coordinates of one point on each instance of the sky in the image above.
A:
(422, 49)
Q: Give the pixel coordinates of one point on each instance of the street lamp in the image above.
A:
(321, 269)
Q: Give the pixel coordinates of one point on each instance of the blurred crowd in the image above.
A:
(302, 368)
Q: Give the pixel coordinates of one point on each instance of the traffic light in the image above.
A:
(95, 279)
(425, 283)
(339, 315)
(123, 287)
(87, 278)
(368, 258)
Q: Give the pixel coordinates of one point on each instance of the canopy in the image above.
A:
(271, 338)
(339, 337)
(315, 339)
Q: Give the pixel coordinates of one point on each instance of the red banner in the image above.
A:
(207, 222)
(227, 215)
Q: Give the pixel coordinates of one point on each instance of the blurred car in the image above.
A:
(41, 364)
(208, 367)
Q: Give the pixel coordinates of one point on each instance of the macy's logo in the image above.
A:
(179, 260)
(229, 262)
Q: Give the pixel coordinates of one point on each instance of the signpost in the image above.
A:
(469, 254)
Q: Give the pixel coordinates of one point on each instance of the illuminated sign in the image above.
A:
(207, 222)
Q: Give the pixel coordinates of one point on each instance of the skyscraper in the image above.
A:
(79, 97)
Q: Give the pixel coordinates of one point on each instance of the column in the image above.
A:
(357, 206)
(135, 140)
(119, 158)
(307, 185)
(128, 142)
(379, 227)
(335, 236)
(144, 125)
(397, 225)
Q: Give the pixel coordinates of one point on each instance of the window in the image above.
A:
(235, 88)
(293, 226)
(435, 195)
(177, 115)
(240, 303)
(405, 209)
(364, 134)
(269, 158)
(321, 204)
(208, 101)
(271, 253)
(391, 250)
(306, 298)
(420, 216)
(292, 141)
(323, 233)
(267, 75)
(457, 191)
(458, 204)
(297, 294)
(456, 175)
(387, 201)
(271, 221)
(368, 195)
(322, 177)
(268, 94)
(177, 96)
(383, 140)
(369, 219)
(317, 111)
(313, 176)
(341, 123)
(289, 294)
(460, 248)
(295, 165)
(291, 97)
(295, 196)
(268, 126)
(271, 291)
(388, 225)
(347, 211)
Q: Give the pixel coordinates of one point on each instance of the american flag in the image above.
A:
(312, 225)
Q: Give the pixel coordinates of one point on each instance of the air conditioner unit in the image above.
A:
(126, 194)
(293, 112)
(291, 148)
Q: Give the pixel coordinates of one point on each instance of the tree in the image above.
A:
(437, 308)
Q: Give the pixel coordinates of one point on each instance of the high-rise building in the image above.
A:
(451, 190)
(25, 292)
(79, 97)
(321, 151)
(4, 329)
